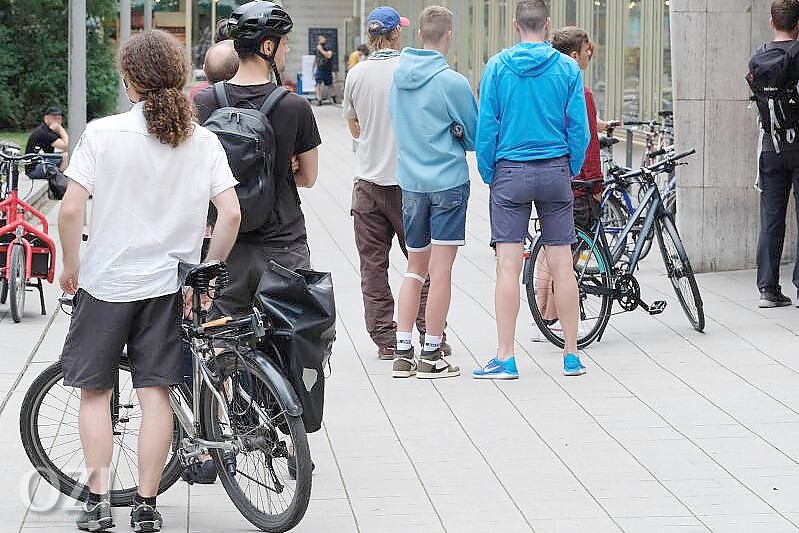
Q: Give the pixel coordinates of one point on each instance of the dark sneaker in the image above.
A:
(386, 353)
(145, 518)
(202, 473)
(432, 366)
(95, 517)
(404, 364)
(773, 298)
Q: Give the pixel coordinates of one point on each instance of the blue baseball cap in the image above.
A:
(385, 19)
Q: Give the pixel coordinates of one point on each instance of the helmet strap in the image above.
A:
(271, 61)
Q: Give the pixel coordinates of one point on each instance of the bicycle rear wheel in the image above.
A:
(592, 270)
(48, 425)
(680, 273)
(269, 480)
(3, 290)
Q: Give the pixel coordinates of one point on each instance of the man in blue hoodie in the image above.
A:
(435, 117)
(531, 139)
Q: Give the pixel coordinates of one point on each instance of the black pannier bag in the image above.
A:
(302, 302)
(773, 75)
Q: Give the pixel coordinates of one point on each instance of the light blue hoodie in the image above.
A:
(532, 107)
(427, 97)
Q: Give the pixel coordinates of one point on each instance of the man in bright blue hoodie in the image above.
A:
(435, 117)
(531, 139)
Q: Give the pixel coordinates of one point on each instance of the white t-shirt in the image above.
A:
(366, 94)
(150, 203)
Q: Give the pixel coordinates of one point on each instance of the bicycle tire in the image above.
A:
(667, 233)
(589, 279)
(3, 290)
(226, 365)
(670, 204)
(17, 283)
(45, 465)
(614, 218)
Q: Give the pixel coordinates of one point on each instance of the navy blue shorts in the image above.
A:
(435, 218)
(517, 185)
(324, 76)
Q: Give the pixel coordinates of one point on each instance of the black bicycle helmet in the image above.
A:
(254, 22)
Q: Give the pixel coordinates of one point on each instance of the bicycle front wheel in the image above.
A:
(17, 282)
(48, 425)
(269, 479)
(680, 273)
(592, 270)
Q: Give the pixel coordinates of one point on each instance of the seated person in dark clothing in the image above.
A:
(49, 136)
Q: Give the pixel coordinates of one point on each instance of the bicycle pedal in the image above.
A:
(657, 307)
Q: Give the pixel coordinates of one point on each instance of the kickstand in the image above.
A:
(41, 295)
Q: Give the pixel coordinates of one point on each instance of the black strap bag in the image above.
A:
(773, 75)
(249, 141)
(302, 303)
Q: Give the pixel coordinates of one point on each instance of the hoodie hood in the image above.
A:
(529, 59)
(417, 67)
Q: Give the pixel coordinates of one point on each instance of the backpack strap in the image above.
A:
(273, 99)
(220, 92)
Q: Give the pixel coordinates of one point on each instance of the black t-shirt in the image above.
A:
(296, 132)
(41, 139)
(768, 144)
(322, 62)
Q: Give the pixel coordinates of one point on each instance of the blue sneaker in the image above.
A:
(496, 369)
(572, 365)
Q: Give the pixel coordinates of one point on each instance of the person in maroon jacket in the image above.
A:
(575, 43)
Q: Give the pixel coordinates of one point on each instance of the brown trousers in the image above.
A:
(377, 214)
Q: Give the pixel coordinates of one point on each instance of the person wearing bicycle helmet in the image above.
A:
(151, 173)
(260, 32)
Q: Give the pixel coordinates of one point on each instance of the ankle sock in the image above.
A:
(96, 498)
(404, 340)
(138, 499)
(432, 343)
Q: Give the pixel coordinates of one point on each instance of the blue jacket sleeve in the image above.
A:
(487, 125)
(462, 108)
(578, 134)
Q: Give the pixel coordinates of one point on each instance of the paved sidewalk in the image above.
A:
(670, 430)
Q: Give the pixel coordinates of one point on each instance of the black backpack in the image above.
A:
(249, 141)
(773, 76)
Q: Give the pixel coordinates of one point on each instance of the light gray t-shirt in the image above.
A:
(366, 94)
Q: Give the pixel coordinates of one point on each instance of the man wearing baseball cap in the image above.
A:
(49, 136)
(376, 197)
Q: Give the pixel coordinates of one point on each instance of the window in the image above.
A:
(666, 86)
(631, 103)
(599, 60)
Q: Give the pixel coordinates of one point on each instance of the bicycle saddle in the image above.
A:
(199, 277)
(607, 142)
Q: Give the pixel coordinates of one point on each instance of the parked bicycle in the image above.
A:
(240, 408)
(27, 253)
(604, 277)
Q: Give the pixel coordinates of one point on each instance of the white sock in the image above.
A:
(404, 340)
(431, 343)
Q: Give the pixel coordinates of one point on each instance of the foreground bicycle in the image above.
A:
(604, 276)
(240, 409)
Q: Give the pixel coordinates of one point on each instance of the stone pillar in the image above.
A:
(718, 206)
(77, 71)
(123, 102)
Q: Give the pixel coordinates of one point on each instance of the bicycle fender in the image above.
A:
(282, 386)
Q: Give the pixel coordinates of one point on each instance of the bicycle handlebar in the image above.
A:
(658, 166)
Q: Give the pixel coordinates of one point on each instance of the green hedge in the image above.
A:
(34, 59)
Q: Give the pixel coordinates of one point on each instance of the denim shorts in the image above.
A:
(517, 185)
(435, 218)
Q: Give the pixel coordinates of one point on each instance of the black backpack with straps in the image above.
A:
(773, 76)
(251, 146)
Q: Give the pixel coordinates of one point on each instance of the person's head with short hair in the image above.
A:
(435, 27)
(785, 16)
(532, 19)
(384, 25)
(53, 114)
(222, 32)
(154, 68)
(363, 49)
(260, 30)
(573, 42)
(221, 62)
(322, 40)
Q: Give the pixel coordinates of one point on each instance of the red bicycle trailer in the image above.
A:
(27, 253)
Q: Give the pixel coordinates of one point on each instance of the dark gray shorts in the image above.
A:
(517, 185)
(100, 330)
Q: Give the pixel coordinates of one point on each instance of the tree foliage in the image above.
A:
(34, 59)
